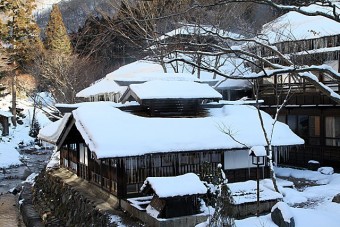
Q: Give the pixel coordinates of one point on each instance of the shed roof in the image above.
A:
(110, 132)
(164, 187)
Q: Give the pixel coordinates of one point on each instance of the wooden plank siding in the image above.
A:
(317, 147)
(172, 107)
(124, 176)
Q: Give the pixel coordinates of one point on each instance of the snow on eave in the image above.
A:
(182, 185)
(103, 86)
(174, 90)
(108, 131)
(52, 132)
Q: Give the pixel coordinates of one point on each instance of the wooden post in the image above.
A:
(14, 98)
(258, 188)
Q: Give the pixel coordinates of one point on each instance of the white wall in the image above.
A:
(237, 159)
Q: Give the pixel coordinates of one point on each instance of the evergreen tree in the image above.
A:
(19, 35)
(18, 30)
(57, 38)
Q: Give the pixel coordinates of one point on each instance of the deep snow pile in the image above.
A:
(19, 134)
(311, 206)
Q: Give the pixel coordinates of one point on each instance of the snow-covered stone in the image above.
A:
(282, 215)
(326, 170)
(313, 165)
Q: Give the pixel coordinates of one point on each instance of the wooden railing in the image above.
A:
(299, 94)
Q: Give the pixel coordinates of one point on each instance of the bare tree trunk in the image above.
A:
(14, 98)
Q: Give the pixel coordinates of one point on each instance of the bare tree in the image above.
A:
(63, 76)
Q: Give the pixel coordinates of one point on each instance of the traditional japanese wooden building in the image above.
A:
(306, 40)
(117, 150)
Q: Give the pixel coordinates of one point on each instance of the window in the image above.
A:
(332, 129)
(73, 146)
(292, 122)
(308, 127)
(314, 130)
(81, 153)
(303, 123)
(65, 162)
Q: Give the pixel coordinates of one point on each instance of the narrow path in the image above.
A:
(9, 212)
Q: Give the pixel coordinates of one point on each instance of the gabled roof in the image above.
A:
(104, 86)
(170, 90)
(182, 185)
(141, 70)
(110, 132)
(53, 132)
(295, 26)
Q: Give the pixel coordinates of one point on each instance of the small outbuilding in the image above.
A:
(4, 122)
(174, 196)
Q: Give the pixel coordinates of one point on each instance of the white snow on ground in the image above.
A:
(31, 178)
(19, 134)
(54, 161)
(315, 202)
(8, 155)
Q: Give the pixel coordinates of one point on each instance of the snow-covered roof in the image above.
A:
(103, 86)
(133, 69)
(246, 192)
(109, 131)
(296, 26)
(174, 89)
(258, 151)
(202, 30)
(6, 113)
(233, 83)
(52, 131)
(187, 184)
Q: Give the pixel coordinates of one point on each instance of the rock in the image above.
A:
(313, 165)
(282, 216)
(326, 170)
(336, 198)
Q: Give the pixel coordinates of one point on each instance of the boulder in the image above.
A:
(282, 216)
(336, 198)
(313, 165)
(326, 170)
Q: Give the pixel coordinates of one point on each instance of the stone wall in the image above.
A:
(56, 200)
